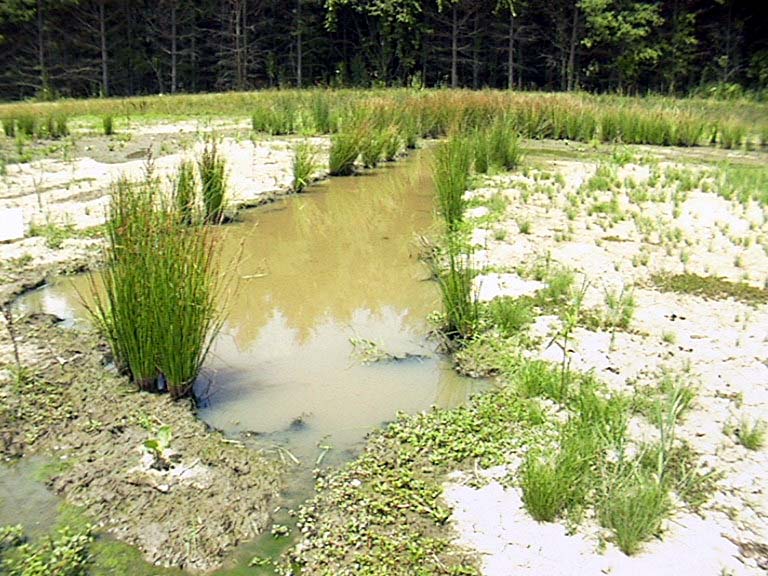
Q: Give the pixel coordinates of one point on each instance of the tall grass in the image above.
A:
(451, 173)
(185, 192)
(213, 180)
(158, 308)
(503, 145)
(9, 127)
(460, 303)
(304, 165)
(346, 145)
(107, 125)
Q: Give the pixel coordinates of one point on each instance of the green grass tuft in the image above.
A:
(304, 165)
(213, 178)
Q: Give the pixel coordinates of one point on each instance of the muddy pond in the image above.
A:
(324, 282)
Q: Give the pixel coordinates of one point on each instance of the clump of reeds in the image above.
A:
(322, 116)
(304, 165)
(107, 125)
(372, 148)
(213, 180)
(454, 275)
(9, 127)
(26, 125)
(503, 145)
(451, 176)
(345, 149)
(185, 192)
(56, 126)
(158, 307)
(731, 135)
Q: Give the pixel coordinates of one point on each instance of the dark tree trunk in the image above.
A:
(104, 57)
(572, 80)
(41, 61)
(511, 52)
(298, 45)
(454, 48)
(174, 48)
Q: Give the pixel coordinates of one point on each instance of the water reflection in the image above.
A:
(312, 272)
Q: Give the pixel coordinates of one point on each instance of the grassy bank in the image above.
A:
(581, 117)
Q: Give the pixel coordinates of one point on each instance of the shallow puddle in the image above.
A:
(313, 274)
(24, 499)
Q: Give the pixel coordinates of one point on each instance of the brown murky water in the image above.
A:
(315, 272)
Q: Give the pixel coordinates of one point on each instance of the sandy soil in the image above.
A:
(719, 345)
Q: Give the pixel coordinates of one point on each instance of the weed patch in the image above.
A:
(709, 287)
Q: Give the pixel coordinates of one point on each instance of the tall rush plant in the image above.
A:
(158, 305)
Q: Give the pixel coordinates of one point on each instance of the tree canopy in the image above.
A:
(76, 48)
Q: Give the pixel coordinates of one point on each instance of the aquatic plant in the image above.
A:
(158, 307)
(213, 178)
(107, 125)
(304, 165)
(185, 191)
(451, 173)
(345, 148)
(459, 295)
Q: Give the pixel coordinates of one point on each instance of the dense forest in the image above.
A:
(75, 48)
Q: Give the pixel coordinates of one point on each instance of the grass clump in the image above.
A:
(634, 508)
(752, 435)
(462, 311)
(372, 149)
(54, 234)
(213, 178)
(509, 315)
(185, 192)
(451, 173)
(304, 165)
(710, 287)
(9, 127)
(26, 125)
(538, 378)
(504, 149)
(158, 307)
(545, 487)
(345, 148)
(107, 125)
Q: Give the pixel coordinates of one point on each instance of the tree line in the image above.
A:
(76, 48)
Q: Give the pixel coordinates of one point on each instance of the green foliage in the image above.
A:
(54, 234)
(509, 315)
(213, 178)
(504, 149)
(304, 165)
(743, 183)
(538, 378)
(65, 555)
(107, 125)
(710, 287)
(451, 177)
(345, 149)
(9, 127)
(26, 125)
(545, 487)
(462, 311)
(633, 509)
(752, 436)
(11, 537)
(185, 192)
(372, 148)
(158, 307)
